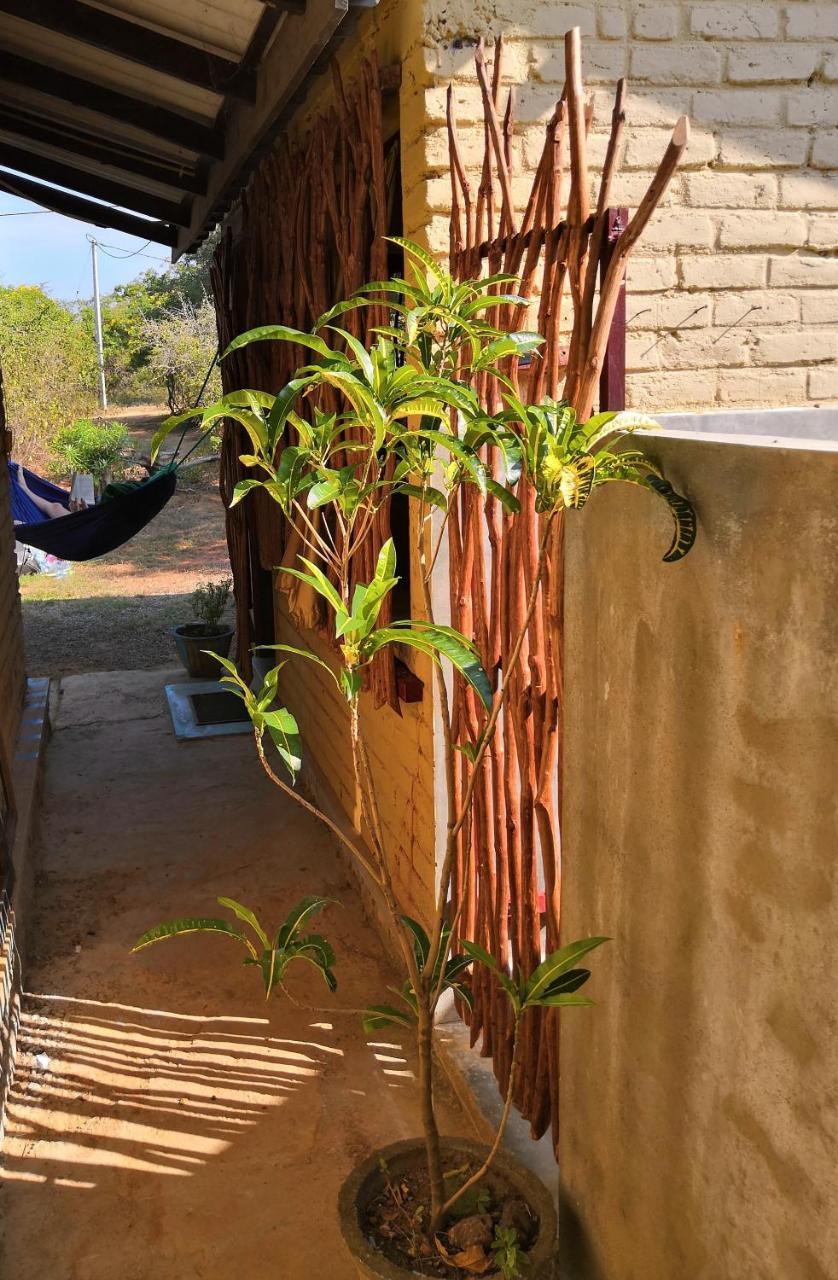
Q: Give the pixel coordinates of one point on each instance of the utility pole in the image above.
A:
(97, 314)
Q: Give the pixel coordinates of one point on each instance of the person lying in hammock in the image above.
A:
(52, 510)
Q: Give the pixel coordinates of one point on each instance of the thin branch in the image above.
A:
(507, 1106)
(317, 813)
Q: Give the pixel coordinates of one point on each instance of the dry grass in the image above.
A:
(116, 613)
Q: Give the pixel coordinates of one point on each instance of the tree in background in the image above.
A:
(181, 345)
(131, 314)
(49, 369)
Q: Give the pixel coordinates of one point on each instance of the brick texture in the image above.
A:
(748, 213)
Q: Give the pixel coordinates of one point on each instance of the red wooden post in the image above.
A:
(612, 382)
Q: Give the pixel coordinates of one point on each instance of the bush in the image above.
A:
(49, 369)
(92, 447)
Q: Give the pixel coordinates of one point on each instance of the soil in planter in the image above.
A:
(396, 1223)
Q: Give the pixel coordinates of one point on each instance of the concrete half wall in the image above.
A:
(699, 1127)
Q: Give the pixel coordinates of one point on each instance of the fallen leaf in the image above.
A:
(474, 1260)
(441, 1247)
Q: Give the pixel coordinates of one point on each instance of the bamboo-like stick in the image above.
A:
(496, 136)
(616, 268)
(582, 329)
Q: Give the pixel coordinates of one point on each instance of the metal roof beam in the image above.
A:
(87, 210)
(158, 121)
(96, 185)
(77, 143)
(127, 39)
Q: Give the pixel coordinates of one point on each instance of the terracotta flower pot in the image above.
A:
(506, 1176)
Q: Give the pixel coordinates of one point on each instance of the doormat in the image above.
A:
(205, 709)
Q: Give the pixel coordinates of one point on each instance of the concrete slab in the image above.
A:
(165, 1120)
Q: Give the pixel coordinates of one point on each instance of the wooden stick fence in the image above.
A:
(507, 871)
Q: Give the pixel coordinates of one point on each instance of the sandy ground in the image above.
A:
(164, 1120)
(117, 612)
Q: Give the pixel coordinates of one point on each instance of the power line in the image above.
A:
(27, 213)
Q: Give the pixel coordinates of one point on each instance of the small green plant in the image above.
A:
(95, 448)
(272, 955)
(509, 1258)
(209, 601)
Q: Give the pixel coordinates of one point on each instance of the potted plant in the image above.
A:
(200, 643)
(414, 424)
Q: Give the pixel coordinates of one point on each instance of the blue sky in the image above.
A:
(49, 250)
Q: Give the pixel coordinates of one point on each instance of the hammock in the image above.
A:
(124, 509)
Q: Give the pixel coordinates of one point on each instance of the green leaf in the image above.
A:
(168, 425)
(420, 255)
(557, 964)
(683, 513)
(359, 351)
(317, 579)
(245, 914)
(424, 407)
(324, 491)
(481, 955)
(560, 1002)
(280, 333)
(300, 653)
(421, 941)
(340, 308)
(377, 1016)
(350, 683)
(503, 495)
(242, 489)
(432, 496)
(510, 344)
(436, 642)
(192, 924)
(315, 949)
(285, 735)
(576, 481)
(494, 300)
(568, 982)
(298, 917)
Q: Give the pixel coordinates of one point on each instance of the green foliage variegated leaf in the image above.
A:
(556, 965)
(272, 959)
(683, 513)
(191, 924)
(438, 642)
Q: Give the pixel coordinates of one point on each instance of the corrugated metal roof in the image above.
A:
(157, 107)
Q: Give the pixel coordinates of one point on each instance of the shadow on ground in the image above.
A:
(165, 1120)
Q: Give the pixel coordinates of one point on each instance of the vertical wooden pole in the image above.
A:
(612, 382)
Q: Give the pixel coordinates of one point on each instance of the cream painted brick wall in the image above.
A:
(748, 238)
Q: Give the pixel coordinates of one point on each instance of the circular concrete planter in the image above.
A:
(366, 1181)
(192, 637)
